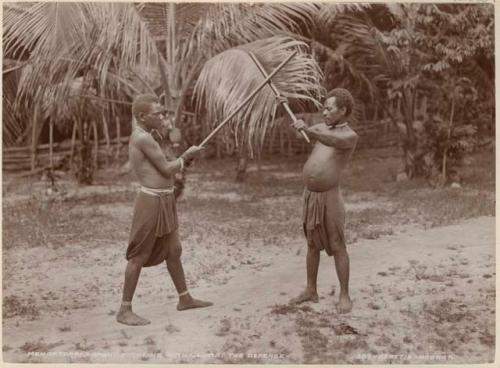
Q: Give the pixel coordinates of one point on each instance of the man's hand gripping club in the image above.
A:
(190, 154)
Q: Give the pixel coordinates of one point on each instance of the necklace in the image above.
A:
(339, 126)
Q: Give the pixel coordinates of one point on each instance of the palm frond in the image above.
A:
(329, 11)
(13, 123)
(228, 78)
(227, 25)
(187, 17)
(112, 42)
(44, 28)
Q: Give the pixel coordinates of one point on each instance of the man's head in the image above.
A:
(338, 105)
(148, 112)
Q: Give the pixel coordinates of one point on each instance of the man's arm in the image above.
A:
(154, 154)
(342, 139)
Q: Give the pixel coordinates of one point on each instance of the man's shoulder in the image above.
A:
(319, 127)
(138, 138)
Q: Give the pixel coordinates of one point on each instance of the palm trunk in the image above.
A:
(85, 171)
(241, 169)
(118, 138)
(51, 143)
(445, 153)
(171, 53)
(410, 145)
(96, 144)
(106, 136)
(73, 141)
(34, 137)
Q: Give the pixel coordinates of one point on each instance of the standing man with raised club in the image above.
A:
(323, 206)
(154, 237)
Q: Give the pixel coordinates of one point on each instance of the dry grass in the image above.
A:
(253, 218)
(54, 223)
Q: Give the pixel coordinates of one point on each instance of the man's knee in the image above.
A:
(338, 249)
(137, 262)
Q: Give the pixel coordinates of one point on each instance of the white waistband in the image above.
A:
(156, 192)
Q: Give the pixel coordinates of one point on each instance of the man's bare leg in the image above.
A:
(125, 314)
(312, 265)
(342, 267)
(176, 271)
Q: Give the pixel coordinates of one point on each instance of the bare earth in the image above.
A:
(420, 295)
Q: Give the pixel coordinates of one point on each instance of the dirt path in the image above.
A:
(409, 290)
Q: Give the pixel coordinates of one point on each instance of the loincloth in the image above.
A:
(155, 217)
(323, 219)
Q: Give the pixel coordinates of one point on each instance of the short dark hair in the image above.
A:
(142, 103)
(343, 98)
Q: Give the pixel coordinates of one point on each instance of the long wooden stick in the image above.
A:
(277, 94)
(252, 95)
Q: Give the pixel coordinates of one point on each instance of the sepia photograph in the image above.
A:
(248, 183)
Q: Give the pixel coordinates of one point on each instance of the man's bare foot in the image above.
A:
(127, 317)
(344, 305)
(305, 296)
(188, 302)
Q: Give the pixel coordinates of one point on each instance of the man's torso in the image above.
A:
(322, 170)
(147, 174)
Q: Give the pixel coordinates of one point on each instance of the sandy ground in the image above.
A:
(420, 296)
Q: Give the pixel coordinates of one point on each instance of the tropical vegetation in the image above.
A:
(428, 69)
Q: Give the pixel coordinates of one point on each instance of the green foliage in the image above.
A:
(433, 143)
(403, 61)
(436, 48)
(442, 143)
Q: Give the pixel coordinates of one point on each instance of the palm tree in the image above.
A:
(117, 47)
(62, 42)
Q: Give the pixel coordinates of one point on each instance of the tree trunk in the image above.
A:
(410, 145)
(96, 144)
(106, 136)
(445, 153)
(241, 169)
(84, 172)
(51, 142)
(73, 141)
(118, 137)
(34, 137)
(258, 157)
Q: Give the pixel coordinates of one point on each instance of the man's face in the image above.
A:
(154, 119)
(332, 114)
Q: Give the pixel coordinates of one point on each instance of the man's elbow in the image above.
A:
(172, 168)
(347, 143)
(169, 170)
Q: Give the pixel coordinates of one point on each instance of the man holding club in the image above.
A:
(323, 206)
(154, 237)
(323, 211)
